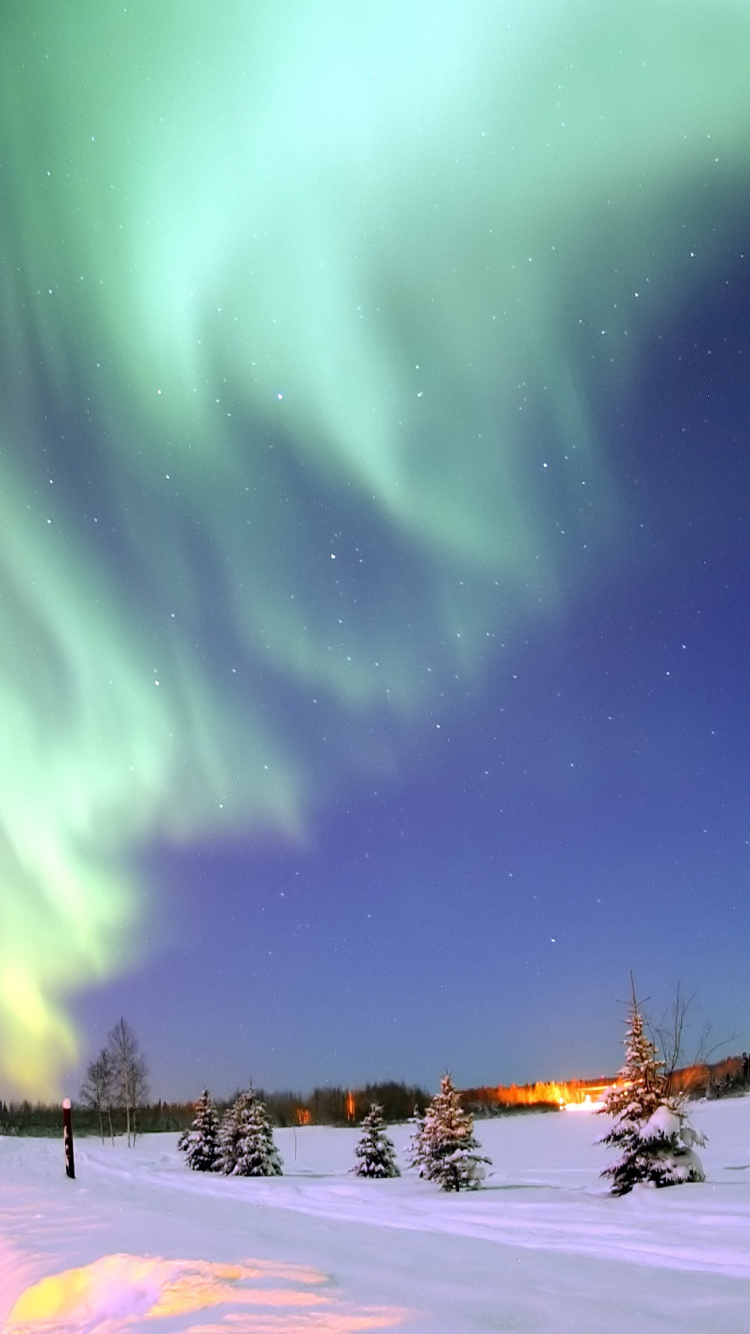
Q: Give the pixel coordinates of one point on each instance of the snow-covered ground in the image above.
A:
(138, 1242)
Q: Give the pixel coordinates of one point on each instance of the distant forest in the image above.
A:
(324, 1106)
(340, 1107)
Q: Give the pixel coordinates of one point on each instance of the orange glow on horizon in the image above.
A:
(570, 1093)
(580, 1092)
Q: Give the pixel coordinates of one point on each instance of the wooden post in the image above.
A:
(70, 1167)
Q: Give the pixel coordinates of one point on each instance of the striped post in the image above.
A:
(70, 1167)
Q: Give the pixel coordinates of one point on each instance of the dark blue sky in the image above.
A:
(376, 560)
(581, 810)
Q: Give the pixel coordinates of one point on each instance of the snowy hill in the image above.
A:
(138, 1242)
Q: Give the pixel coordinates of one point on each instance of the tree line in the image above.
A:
(114, 1100)
(114, 1096)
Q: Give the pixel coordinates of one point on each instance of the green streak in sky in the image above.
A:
(271, 279)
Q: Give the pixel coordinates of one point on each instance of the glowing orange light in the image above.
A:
(571, 1093)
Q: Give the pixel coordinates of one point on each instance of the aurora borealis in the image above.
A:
(373, 534)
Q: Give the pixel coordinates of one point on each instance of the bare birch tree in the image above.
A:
(98, 1089)
(130, 1072)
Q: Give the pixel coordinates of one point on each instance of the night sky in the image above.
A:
(374, 536)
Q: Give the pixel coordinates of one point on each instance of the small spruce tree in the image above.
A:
(414, 1146)
(246, 1146)
(651, 1127)
(230, 1130)
(200, 1144)
(446, 1149)
(375, 1152)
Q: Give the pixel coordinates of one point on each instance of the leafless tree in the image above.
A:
(669, 1035)
(130, 1072)
(98, 1089)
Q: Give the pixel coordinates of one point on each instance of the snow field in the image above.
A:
(139, 1242)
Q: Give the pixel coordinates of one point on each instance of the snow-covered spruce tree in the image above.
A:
(414, 1146)
(447, 1145)
(651, 1127)
(200, 1144)
(375, 1153)
(246, 1147)
(230, 1130)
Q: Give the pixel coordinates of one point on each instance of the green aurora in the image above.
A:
(274, 275)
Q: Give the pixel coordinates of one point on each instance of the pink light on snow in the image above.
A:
(116, 1289)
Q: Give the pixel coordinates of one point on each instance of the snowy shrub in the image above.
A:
(651, 1128)
(375, 1153)
(246, 1147)
(445, 1150)
(200, 1144)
